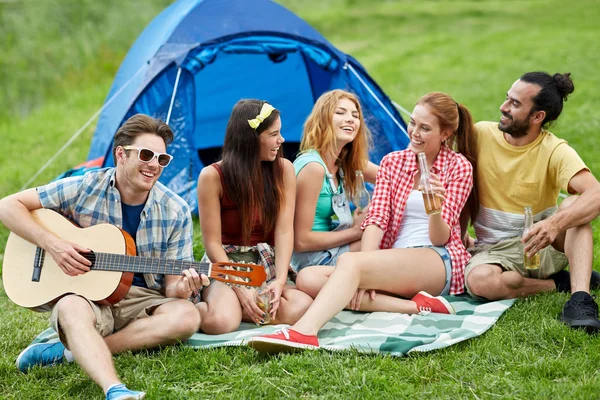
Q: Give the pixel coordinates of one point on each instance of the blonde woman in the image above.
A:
(334, 146)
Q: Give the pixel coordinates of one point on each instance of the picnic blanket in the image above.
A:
(380, 332)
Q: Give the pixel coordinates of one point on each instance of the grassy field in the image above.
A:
(59, 57)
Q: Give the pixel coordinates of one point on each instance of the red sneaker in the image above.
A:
(427, 303)
(284, 341)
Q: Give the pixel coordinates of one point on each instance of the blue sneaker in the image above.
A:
(43, 354)
(120, 392)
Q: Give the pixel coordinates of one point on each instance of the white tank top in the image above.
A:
(414, 228)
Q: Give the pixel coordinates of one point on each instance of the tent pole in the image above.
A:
(348, 66)
(173, 96)
(80, 131)
(402, 109)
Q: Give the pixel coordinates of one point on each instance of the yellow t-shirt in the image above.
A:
(512, 177)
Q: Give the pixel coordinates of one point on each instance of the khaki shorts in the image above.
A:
(508, 254)
(138, 303)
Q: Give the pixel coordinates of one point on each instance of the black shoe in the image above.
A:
(581, 311)
(562, 280)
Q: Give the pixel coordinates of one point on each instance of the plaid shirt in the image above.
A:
(165, 229)
(395, 181)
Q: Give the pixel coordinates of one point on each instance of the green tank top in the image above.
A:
(324, 211)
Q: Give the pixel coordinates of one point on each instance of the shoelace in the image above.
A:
(285, 333)
(589, 307)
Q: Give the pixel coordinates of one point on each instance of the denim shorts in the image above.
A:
(328, 257)
(441, 250)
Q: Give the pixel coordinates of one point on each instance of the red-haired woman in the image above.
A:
(420, 253)
(334, 147)
(246, 207)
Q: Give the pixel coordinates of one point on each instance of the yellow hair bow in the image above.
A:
(265, 112)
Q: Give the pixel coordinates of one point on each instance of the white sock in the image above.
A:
(68, 355)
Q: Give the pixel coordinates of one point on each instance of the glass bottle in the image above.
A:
(530, 262)
(263, 297)
(433, 205)
(361, 196)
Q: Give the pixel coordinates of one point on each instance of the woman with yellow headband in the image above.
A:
(334, 147)
(246, 207)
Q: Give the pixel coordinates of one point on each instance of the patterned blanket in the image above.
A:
(381, 332)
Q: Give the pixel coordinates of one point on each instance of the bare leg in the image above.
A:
(579, 249)
(220, 310)
(89, 349)
(387, 303)
(293, 305)
(170, 323)
(578, 245)
(310, 280)
(399, 271)
(490, 282)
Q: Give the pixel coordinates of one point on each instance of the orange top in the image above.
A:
(231, 221)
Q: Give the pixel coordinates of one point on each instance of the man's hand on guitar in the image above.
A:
(191, 281)
(67, 256)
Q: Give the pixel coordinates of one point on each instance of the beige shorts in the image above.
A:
(508, 254)
(138, 303)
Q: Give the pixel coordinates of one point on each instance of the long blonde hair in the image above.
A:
(319, 135)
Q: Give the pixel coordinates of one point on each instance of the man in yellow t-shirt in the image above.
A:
(520, 164)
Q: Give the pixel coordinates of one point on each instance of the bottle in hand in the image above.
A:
(361, 198)
(263, 297)
(530, 262)
(433, 204)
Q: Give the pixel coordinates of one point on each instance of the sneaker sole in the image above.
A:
(445, 302)
(21, 356)
(590, 325)
(132, 397)
(274, 346)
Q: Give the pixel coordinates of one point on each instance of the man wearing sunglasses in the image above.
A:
(129, 197)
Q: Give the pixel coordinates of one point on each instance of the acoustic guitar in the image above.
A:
(33, 280)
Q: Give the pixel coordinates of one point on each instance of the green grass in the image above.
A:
(58, 61)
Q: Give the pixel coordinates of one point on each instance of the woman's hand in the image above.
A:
(358, 218)
(246, 297)
(357, 299)
(276, 289)
(438, 187)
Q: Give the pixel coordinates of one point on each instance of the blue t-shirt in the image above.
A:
(131, 221)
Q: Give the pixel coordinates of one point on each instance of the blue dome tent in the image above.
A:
(196, 59)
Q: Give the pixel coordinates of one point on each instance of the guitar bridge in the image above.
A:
(37, 264)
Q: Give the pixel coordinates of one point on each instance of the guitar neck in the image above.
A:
(145, 265)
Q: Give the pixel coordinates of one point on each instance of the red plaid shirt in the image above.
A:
(395, 181)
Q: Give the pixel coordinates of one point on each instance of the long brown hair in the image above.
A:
(254, 186)
(319, 135)
(457, 118)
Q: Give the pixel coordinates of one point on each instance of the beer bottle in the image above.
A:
(433, 205)
(361, 196)
(530, 262)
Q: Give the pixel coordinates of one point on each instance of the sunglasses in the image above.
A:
(147, 155)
